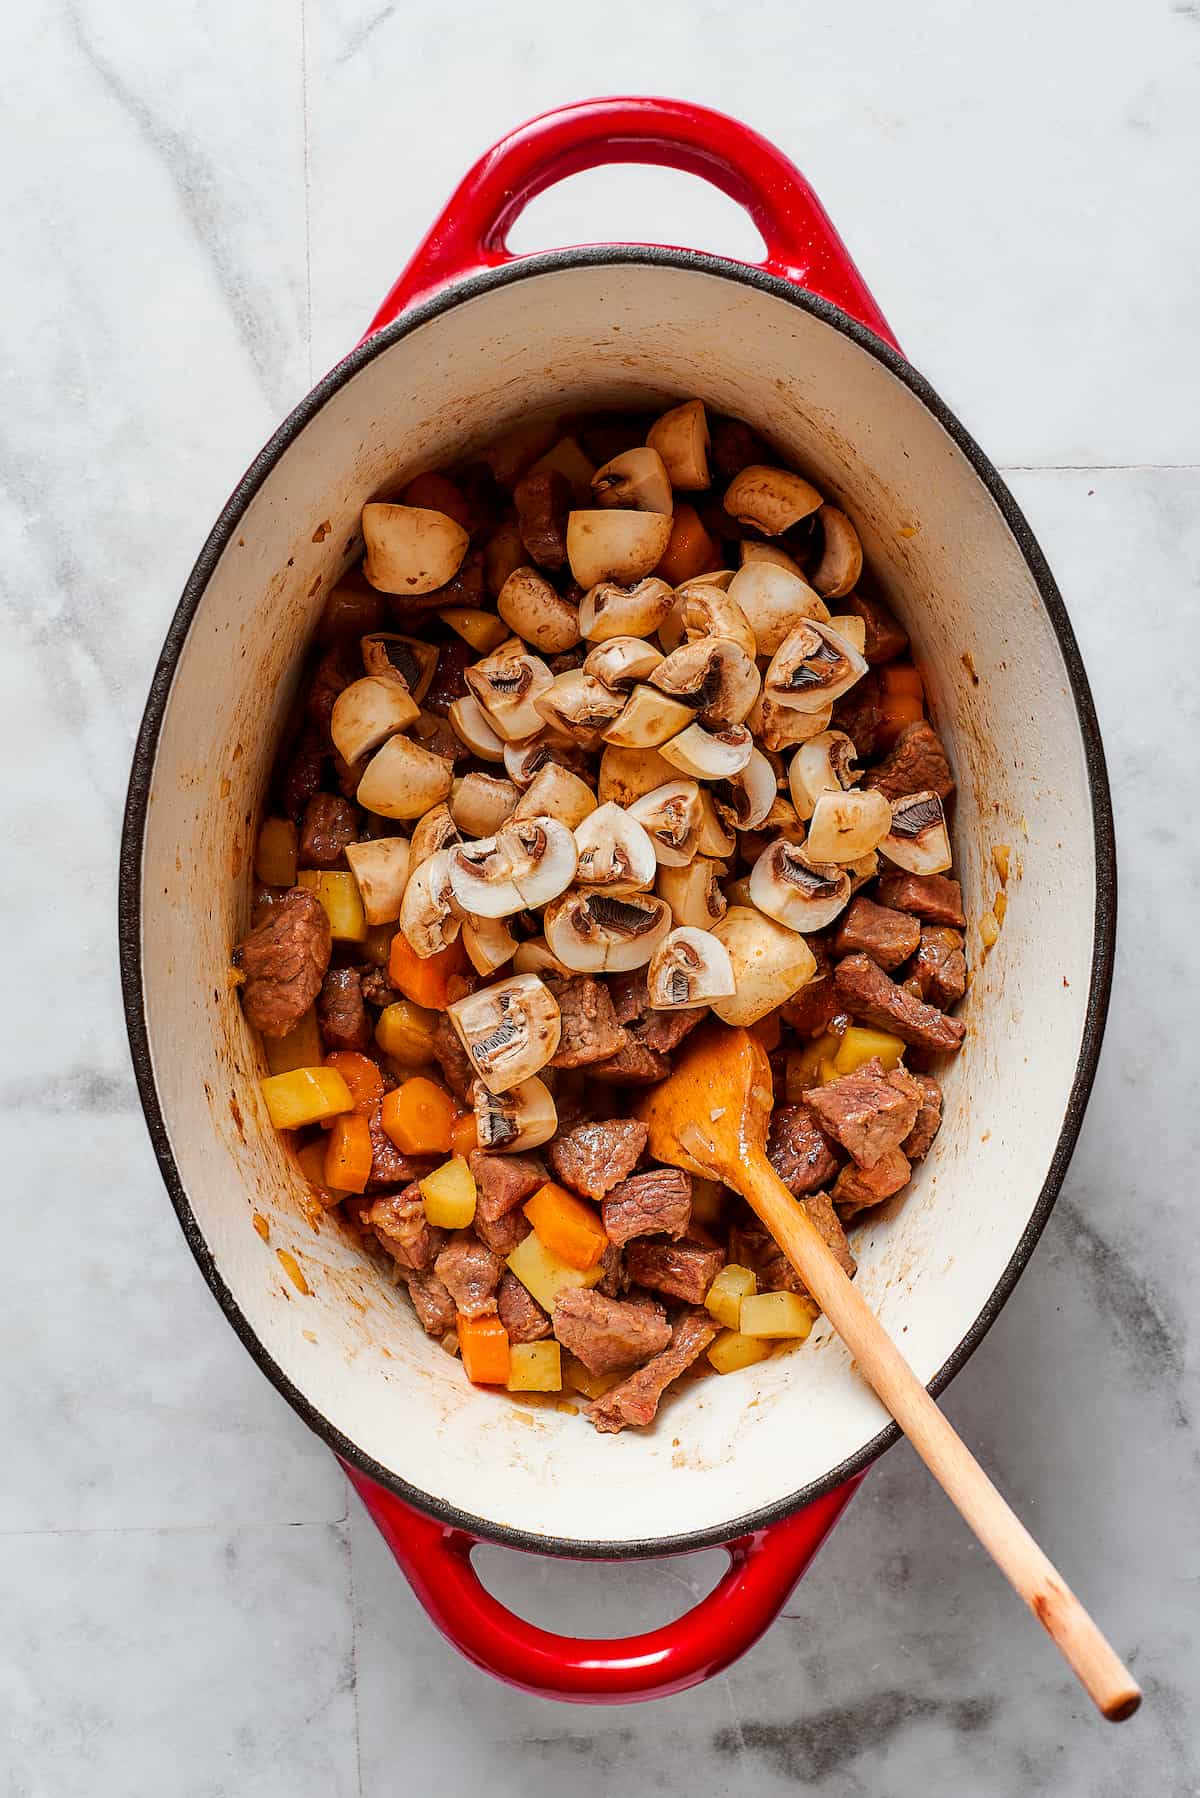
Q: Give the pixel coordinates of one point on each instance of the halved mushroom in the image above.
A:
(825, 764)
(917, 839)
(488, 942)
(841, 560)
(402, 780)
(846, 826)
(479, 803)
(709, 611)
(523, 761)
(852, 627)
(523, 1118)
(533, 608)
(387, 652)
(681, 438)
(774, 602)
(380, 869)
(503, 551)
(554, 792)
(714, 676)
(812, 667)
(750, 551)
(610, 609)
(594, 932)
(436, 830)
(693, 893)
(482, 630)
(541, 857)
(614, 851)
(428, 915)
(782, 819)
(746, 798)
(670, 631)
(469, 722)
(864, 869)
(368, 712)
(713, 835)
(771, 499)
(790, 887)
(670, 816)
(779, 727)
(411, 549)
(480, 876)
(690, 968)
(614, 545)
(618, 662)
(649, 718)
(770, 963)
(508, 686)
(567, 459)
(710, 754)
(508, 1030)
(534, 956)
(636, 478)
(625, 774)
(579, 707)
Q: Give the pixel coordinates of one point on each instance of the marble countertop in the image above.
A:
(202, 206)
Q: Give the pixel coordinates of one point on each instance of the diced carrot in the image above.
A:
(312, 1165)
(567, 1226)
(437, 493)
(690, 550)
(464, 1135)
(897, 710)
(483, 1343)
(348, 1154)
(418, 1117)
(361, 1075)
(902, 677)
(426, 981)
(767, 1030)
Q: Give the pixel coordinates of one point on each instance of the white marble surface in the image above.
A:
(202, 205)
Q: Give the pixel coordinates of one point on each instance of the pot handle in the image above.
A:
(764, 1567)
(471, 233)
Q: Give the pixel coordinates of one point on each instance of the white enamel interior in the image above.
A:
(561, 339)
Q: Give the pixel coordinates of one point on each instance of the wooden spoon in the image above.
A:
(710, 1117)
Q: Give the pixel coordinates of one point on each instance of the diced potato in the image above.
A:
(725, 1295)
(338, 893)
(482, 630)
(858, 1045)
(534, 1367)
(305, 1096)
(578, 1378)
(544, 1275)
(733, 1350)
(377, 944)
(300, 1048)
(708, 1201)
(777, 1314)
(275, 856)
(804, 1067)
(449, 1195)
(405, 1032)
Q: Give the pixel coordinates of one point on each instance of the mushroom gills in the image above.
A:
(508, 1030)
(594, 932)
(917, 839)
(691, 967)
(524, 1117)
(796, 891)
(387, 652)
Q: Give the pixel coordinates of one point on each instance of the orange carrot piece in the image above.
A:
(483, 1344)
(567, 1226)
(426, 982)
(690, 550)
(361, 1075)
(311, 1161)
(348, 1153)
(902, 677)
(418, 1117)
(438, 493)
(464, 1136)
(896, 711)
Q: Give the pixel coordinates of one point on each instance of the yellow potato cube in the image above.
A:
(578, 1378)
(405, 1032)
(725, 1295)
(534, 1367)
(858, 1045)
(300, 1048)
(803, 1067)
(305, 1096)
(733, 1350)
(544, 1275)
(275, 856)
(338, 893)
(771, 1314)
(482, 630)
(449, 1195)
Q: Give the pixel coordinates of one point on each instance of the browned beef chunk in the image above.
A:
(683, 1270)
(859, 713)
(377, 988)
(753, 1247)
(656, 1203)
(607, 1334)
(543, 501)
(590, 1031)
(651, 1033)
(634, 1065)
(873, 997)
(614, 1280)
(869, 1111)
(398, 1220)
(603, 435)
(635, 1400)
(341, 1012)
(471, 1272)
(284, 962)
(504, 1181)
(629, 995)
(886, 636)
(856, 1188)
(502, 1234)
(348, 775)
(336, 669)
(452, 1057)
(329, 824)
(448, 684)
(303, 774)
(940, 967)
(733, 445)
(431, 1300)
(389, 1166)
(662, 1031)
(466, 587)
(934, 897)
(919, 1140)
(568, 660)
(798, 1151)
(888, 937)
(520, 1313)
(821, 1213)
(916, 763)
(593, 1157)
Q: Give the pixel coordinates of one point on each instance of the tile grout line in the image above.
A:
(308, 331)
(175, 1529)
(358, 1766)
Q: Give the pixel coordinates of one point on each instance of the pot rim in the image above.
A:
(133, 836)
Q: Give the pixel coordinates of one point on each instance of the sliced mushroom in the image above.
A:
(714, 676)
(436, 830)
(508, 686)
(670, 631)
(746, 798)
(503, 551)
(368, 712)
(567, 459)
(841, 560)
(770, 963)
(625, 774)
(846, 826)
(864, 869)
(387, 652)
(619, 662)
(790, 887)
(782, 819)
(610, 609)
(380, 869)
(479, 803)
(681, 438)
(508, 1030)
(812, 667)
(709, 611)
(710, 754)
(690, 968)
(530, 606)
(917, 839)
(579, 707)
(774, 602)
(554, 792)
(636, 478)
(482, 630)
(523, 761)
(852, 627)
(670, 816)
(693, 893)
(488, 942)
(541, 855)
(534, 956)
(750, 551)
(713, 835)
(480, 876)
(614, 851)
(595, 932)
(825, 764)
(411, 549)
(779, 727)
(649, 718)
(523, 1118)
(771, 499)
(469, 722)
(402, 780)
(614, 545)
(428, 916)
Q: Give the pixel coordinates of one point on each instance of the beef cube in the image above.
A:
(522, 1316)
(888, 937)
(871, 996)
(613, 1280)
(431, 1300)
(336, 669)
(504, 1181)
(593, 1157)
(662, 1031)
(448, 683)
(634, 1065)
(329, 824)
(502, 1234)
(753, 1247)
(819, 1209)
(453, 1059)
(683, 1270)
(869, 1112)
(543, 502)
(919, 1140)
(398, 1220)
(389, 1165)
(630, 996)
(303, 773)
(798, 1151)
(886, 636)
(811, 1011)
(590, 1031)
(860, 714)
(939, 967)
(916, 763)
(284, 962)
(656, 1203)
(734, 445)
(608, 1334)
(635, 1401)
(471, 1272)
(341, 1013)
(934, 897)
(377, 988)
(858, 1187)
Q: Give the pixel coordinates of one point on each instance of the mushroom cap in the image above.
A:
(711, 611)
(690, 968)
(770, 963)
(713, 835)
(535, 956)
(508, 687)
(670, 816)
(625, 774)
(555, 792)
(772, 499)
(615, 853)
(481, 880)
(611, 608)
(637, 478)
(402, 780)
(917, 839)
(619, 662)
(610, 544)
(410, 549)
(812, 667)
(509, 1030)
(693, 893)
(532, 607)
(681, 438)
(774, 602)
(522, 1118)
(489, 943)
(428, 917)
(825, 764)
(746, 798)
(368, 712)
(846, 826)
(579, 707)
(841, 560)
(796, 891)
(714, 675)
(751, 551)
(524, 761)
(542, 857)
(480, 803)
(595, 931)
(649, 719)
(470, 724)
(779, 727)
(381, 868)
(436, 830)
(710, 755)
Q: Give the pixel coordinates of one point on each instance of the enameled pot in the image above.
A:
(470, 340)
